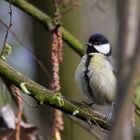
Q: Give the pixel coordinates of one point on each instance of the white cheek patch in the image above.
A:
(104, 49)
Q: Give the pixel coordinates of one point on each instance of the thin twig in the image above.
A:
(38, 61)
(30, 105)
(20, 111)
(9, 26)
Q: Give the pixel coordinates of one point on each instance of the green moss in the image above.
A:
(39, 97)
(57, 100)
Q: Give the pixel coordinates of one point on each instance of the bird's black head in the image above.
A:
(98, 43)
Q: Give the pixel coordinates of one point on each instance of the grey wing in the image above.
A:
(80, 78)
(113, 63)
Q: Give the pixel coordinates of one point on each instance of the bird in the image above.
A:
(95, 75)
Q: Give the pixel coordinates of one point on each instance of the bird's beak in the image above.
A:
(89, 44)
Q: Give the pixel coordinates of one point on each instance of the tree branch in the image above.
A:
(44, 96)
(48, 23)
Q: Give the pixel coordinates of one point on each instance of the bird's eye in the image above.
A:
(97, 43)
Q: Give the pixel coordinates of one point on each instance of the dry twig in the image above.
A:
(16, 91)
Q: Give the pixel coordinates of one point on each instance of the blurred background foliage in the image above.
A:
(88, 17)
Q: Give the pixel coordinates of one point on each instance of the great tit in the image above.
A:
(95, 75)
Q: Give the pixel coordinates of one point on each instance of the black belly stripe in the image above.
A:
(86, 76)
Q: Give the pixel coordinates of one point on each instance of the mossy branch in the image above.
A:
(38, 92)
(49, 24)
(44, 96)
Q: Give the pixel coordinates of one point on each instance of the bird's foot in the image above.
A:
(89, 122)
(109, 117)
